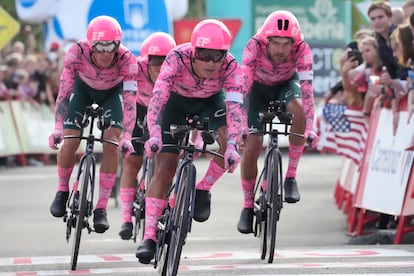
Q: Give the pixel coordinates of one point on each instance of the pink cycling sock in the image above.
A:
(127, 200)
(213, 173)
(295, 152)
(154, 207)
(64, 177)
(248, 192)
(106, 182)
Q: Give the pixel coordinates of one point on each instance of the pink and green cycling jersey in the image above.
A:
(177, 76)
(257, 66)
(78, 63)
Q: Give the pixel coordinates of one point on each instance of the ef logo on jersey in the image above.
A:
(201, 41)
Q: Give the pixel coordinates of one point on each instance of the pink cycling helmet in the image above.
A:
(104, 28)
(211, 34)
(280, 23)
(157, 44)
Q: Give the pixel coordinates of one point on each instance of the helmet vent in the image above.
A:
(283, 24)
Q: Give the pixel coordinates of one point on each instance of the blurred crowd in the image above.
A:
(30, 76)
(27, 75)
(377, 71)
(376, 67)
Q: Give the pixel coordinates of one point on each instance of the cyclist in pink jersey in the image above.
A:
(154, 49)
(96, 70)
(197, 78)
(277, 65)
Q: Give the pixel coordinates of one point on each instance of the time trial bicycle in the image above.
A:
(176, 220)
(269, 186)
(80, 204)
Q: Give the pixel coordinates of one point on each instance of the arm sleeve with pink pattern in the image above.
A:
(66, 84)
(160, 94)
(234, 103)
(248, 65)
(248, 69)
(129, 107)
(304, 66)
(129, 70)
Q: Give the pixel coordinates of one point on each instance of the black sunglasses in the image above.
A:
(105, 46)
(208, 55)
(156, 60)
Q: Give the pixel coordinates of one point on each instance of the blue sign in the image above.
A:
(138, 18)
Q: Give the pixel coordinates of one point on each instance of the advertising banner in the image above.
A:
(138, 19)
(326, 26)
(9, 140)
(387, 165)
(34, 124)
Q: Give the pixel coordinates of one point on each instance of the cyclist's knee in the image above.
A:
(112, 134)
(253, 146)
(70, 146)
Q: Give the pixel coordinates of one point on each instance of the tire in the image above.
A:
(161, 253)
(85, 180)
(139, 205)
(273, 199)
(163, 260)
(180, 219)
(262, 224)
(139, 214)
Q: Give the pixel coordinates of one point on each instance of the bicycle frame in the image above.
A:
(167, 226)
(80, 203)
(270, 204)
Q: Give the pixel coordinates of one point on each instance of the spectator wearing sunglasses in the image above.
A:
(197, 78)
(277, 65)
(96, 70)
(154, 49)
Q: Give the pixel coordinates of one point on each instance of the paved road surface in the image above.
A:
(311, 234)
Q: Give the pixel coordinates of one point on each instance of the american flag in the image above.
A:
(342, 130)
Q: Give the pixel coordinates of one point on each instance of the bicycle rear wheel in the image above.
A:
(85, 179)
(273, 201)
(180, 219)
(139, 213)
(262, 224)
(139, 204)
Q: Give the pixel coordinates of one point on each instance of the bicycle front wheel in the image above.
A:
(273, 201)
(180, 220)
(85, 180)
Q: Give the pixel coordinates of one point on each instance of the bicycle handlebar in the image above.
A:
(92, 112)
(94, 139)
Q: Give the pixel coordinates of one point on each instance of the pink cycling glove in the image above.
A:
(311, 138)
(155, 140)
(55, 138)
(125, 145)
(231, 153)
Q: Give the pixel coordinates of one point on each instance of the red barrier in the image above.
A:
(386, 182)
